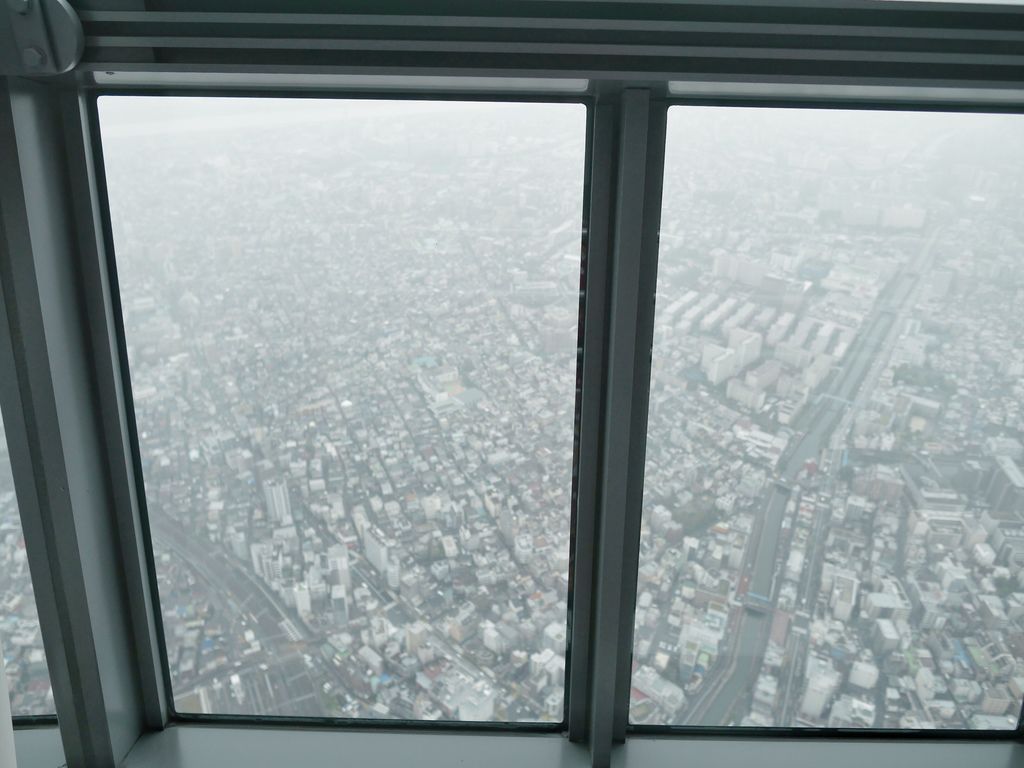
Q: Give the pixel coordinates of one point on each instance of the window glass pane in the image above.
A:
(351, 331)
(833, 530)
(28, 681)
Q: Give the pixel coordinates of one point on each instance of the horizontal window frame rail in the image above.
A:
(34, 721)
(211, 745)
(677, 15)
(825, 52)
(824, 734)
(654, 40)
(912, 103)
(809, 68)
(129, 27)
(345, 93)
(384, 82)
(396, 725)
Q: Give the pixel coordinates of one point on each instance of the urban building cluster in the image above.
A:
(352, 342)
(352, 345)
(28, 681)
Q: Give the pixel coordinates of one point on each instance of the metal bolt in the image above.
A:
(33, 57)
(19, 7)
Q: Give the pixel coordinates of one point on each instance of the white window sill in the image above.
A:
(38, 747)
(651, 752)
(191, 746)
(198, 746)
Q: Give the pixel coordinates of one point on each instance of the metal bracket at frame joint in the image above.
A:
(39, 37)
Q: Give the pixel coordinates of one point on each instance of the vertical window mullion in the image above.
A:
(638, 151)
(654, 160)
(71, 539)
(590, 375)
(89, 199)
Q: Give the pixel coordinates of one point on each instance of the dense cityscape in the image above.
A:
(352, 340)
(833, 528)
(28, 680)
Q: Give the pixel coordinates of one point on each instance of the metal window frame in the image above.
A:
(610, 187)
(584, 458)
(74, 546)
(755, 733)
(69, 414)
(633, 129)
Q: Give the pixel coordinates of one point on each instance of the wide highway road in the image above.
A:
(817, 423)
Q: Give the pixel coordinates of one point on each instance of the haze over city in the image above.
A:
(352, 336)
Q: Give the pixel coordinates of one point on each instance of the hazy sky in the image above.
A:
(149, 115)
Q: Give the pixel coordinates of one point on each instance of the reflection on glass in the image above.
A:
(833, 531)
(351, 332)
(28, 680)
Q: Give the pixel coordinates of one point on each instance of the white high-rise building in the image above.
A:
(376, 547)
(822, 682)
(844, 595)
(303, 601)
(747, 345)
(719, 363)
(279, 506)
(337, 565)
